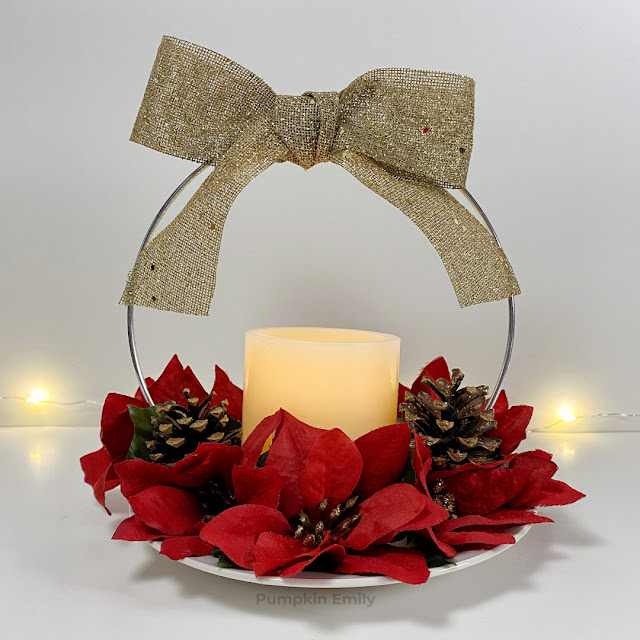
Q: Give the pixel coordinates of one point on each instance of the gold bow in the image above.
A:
(405, 134)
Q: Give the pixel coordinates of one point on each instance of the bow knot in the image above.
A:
(307, 125)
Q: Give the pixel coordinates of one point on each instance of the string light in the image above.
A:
(37, 395)
(569, 417)
(566, 414)
(51, 416)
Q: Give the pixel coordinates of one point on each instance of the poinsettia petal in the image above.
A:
(332, 471)
(517, 516)
(437, 368)
(168, 381)
(148, 381)
(274, 552)
(384, 454)
(421, 462)
(405, 565)
(256, 486)
(444, 547)
(116, 428)
(556, 492)
(209, 460)
(502, 517)
(470, 466)
(501, 404)
(535, 471)
(134, 529)
(172, 382)
(191, 382)
(385, 512)
(512, 427)
(226, 390)
(288, 454)
(431, 515)
(538, 452)
(138, 475)
(236, 530)
(107, 481)
(171, 510)
(475, 537)
(481, 491)
(179, 547)
(333, 554)
(255, 443)
(94, 465)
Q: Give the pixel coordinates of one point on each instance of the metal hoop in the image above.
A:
(130, 320)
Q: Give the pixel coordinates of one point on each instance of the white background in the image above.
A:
(554, 164)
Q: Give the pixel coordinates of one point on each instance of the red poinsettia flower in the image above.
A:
(512, 421)
(341, 505)
(116, 428)
(491, 497)
(172, 503)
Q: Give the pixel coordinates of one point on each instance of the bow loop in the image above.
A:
(197, 103)
(417, 124)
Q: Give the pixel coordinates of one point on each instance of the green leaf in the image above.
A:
(142, 431)
(224, 562)
(433, 555)
(439, 560)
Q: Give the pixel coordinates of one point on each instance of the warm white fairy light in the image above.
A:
(566, 414)
(37, 395)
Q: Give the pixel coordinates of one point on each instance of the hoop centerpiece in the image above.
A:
(340, 472)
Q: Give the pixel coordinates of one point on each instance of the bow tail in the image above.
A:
(176, 271)
(477, 267)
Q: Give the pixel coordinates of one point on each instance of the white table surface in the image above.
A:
(62, 577)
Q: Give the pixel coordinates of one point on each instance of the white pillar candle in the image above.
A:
(325, 377)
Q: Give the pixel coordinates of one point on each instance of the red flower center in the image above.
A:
(442, 497)
(215, 498)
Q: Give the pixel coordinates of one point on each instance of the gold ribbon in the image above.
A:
(405, 134)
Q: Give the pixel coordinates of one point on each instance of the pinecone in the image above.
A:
(453, 425)
(181, 429)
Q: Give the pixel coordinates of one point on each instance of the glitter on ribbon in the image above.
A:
(204, 107)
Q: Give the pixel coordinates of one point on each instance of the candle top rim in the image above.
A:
(323, 335)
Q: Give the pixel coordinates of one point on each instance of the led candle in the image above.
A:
(325, 377)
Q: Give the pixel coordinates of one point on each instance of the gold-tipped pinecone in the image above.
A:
(180, 429)
(454, 425)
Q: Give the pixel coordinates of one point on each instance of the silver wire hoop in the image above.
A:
(130, 308)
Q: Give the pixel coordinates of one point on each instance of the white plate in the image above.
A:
(317, 580)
